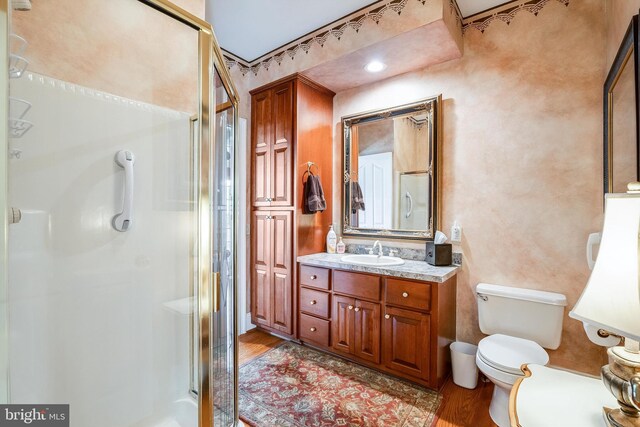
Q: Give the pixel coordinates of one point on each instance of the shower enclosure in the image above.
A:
(118, 251)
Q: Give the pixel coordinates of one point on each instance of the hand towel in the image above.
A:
(357, 199)
(313, 196)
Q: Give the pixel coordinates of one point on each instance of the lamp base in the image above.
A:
(617, 418)
(622, 378)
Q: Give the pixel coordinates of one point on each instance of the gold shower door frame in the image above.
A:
(210, 59)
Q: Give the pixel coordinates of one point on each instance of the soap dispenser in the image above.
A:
(331, 241)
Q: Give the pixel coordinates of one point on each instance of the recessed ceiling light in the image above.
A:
(375, 66)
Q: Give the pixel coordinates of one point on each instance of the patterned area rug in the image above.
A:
(295, 386)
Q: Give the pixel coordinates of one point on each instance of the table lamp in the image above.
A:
(611, 302)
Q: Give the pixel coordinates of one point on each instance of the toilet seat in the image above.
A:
(508, 354)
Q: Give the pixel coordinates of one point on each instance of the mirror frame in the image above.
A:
(627, 55)
(432, 106)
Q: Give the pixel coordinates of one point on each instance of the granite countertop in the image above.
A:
(417, 270)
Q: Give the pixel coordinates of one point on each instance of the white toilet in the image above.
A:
(519, 323)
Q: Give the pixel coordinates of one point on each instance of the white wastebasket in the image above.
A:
(463, 359)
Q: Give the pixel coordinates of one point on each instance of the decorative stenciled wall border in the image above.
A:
(375, 13)
(505, 14)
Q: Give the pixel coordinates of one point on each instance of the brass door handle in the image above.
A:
(216, 292)
(313, 277)
(313, 302)
(312, 329)
(405, 295)
(386, 316)
(357, 309)
(350, 307)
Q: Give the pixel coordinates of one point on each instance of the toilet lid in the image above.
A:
(510, 353)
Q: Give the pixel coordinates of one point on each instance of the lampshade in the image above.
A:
(611, 299)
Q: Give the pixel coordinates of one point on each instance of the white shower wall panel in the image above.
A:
(88, 320)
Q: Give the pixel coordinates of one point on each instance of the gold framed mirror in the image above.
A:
(621, 133)
(391, 172)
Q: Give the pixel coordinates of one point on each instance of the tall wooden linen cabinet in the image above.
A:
(291, 125)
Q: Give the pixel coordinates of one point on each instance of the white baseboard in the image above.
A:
(247, 325)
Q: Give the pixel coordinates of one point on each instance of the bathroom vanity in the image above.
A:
(396, 319)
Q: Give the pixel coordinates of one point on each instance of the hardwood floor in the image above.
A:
(254, 343)
(460, 407)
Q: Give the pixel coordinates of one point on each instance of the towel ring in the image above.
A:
(310, 165)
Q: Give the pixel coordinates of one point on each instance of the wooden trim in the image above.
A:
(296, 76)
(513, 397)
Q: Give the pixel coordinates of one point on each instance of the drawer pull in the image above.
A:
(313, 302)
(386, 316)
(357, 309)
(313, 277)
(312, 329)
(405, 295)
(350, 307)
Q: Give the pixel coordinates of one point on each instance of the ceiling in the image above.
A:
(471, 7)
(250, 28)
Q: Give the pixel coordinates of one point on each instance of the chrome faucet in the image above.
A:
(373, 249)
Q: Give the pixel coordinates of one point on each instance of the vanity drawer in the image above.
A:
(403, 293)
(314, 277)
(315, 302)
(357, 285)
(314, 330)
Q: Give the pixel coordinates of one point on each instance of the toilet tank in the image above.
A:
(524, 313)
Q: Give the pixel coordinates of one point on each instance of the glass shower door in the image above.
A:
(224, 320)
(123, 230)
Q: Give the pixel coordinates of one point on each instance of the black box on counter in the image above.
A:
(439, 254)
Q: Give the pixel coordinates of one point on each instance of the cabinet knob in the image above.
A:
(313, 302)
(350, 307)
(357, 309)
(386, 316)
(313, 277)
(405, 295)
(312, 329)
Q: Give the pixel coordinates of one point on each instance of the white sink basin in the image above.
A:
(373, 260)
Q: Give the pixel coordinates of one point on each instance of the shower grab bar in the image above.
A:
(122, 221)
(410, 208)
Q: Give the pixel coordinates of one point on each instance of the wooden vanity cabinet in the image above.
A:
(271, 304)
(291, 124)
(399, 326)
(406, 342)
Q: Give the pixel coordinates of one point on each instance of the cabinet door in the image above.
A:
(282, 149)
(262, 143)
(405, 341)
(281, 271)
(367, 331)
(261, 268)
(342, 324)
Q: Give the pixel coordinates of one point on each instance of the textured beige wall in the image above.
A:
(121, 47)
(521, 155)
